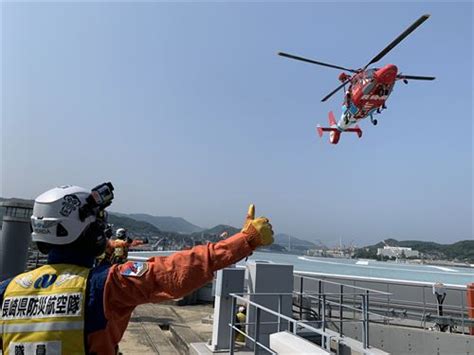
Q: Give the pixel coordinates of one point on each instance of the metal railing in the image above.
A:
(403, 303)
(343, 300)
(294, 325)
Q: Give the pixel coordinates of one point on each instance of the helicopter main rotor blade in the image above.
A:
(415, 77)
(398, 39)
(315, 62)
(335, 90)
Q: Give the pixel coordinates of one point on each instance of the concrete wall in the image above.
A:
(402, 340)
(285, 343)
(229, 280)
(268, 278)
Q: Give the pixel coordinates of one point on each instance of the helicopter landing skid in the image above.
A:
(373, 120)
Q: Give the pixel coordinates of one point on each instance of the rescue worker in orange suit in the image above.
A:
(116, 251)
(120, 246)
(67, 307)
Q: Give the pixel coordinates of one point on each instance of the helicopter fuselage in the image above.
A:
(369, 90)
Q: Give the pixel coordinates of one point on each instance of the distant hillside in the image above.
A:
(460, 251)
(169, 224)
(219, 229)
(214, 234)
(134, 227)
(282, 239)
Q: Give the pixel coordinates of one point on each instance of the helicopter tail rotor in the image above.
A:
(335, 131)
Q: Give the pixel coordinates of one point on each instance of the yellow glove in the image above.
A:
(258, 228)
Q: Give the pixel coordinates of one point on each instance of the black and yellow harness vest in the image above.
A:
(43, 311)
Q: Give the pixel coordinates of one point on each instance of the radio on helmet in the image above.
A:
(101, 197)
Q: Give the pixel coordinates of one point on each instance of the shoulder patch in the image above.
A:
(134, 268)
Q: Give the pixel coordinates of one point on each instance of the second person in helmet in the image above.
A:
(121, 245)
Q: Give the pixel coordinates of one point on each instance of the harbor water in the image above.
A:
(363, 268)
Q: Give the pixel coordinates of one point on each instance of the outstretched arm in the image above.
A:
(136, 242)
(174, 276)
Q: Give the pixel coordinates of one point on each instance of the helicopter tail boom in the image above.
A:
(335, 131)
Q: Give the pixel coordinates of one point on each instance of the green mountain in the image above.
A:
(460, 251)
(218, 230)
(133, 226)
(284, 239)
(165, 223)
(214, 234)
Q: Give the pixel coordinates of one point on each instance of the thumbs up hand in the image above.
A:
(260, 228)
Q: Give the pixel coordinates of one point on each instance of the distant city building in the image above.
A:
(397, 252)
(315, 252)
(330, 253)
(336, 253)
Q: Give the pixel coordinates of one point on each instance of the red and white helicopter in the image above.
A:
(367, 91)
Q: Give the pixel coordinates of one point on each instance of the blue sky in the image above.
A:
(188, 110)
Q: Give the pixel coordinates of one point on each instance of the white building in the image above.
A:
(397, 252)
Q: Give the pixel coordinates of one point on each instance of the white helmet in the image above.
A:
(61, 215)
(121, 233)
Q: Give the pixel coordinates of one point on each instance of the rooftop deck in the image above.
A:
(166, 328)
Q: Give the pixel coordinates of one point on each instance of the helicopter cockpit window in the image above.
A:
(367, 81)
(369, 74)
